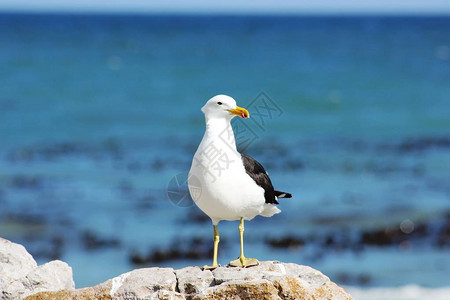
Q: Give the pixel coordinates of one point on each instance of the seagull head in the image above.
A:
(222, 106)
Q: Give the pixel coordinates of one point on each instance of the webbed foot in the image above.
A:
(206, 267)
(244, 262)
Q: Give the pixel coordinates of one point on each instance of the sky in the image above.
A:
(234, 6)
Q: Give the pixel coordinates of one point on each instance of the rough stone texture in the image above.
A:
(20, 276)
(15, 263)
(241, 289)
(52, 276)
(272, 280)
(145, 283)
(269, 280)
(193, 280)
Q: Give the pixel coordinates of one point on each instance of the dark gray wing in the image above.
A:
(256, 171)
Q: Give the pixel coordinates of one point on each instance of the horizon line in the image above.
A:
(149, 12)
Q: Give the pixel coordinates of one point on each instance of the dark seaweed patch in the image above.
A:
(92, 241)
(195, 248)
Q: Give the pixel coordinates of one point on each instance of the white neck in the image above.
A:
(220, 128)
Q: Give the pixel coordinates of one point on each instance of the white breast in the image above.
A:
(219, 184)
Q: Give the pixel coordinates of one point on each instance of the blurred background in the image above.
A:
(100, 113)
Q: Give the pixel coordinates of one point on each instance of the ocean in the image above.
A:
(100, 118)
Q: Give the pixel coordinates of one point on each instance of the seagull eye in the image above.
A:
(219, 103)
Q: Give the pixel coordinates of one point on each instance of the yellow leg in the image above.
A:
(242, 261)
(216, 247)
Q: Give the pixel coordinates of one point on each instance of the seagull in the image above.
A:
(225, 184)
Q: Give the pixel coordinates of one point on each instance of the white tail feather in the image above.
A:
(270, 210)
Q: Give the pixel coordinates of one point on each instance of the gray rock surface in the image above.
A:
(52, 276)
(145, 283)
(193, 280)
(15, 263)
(270, 280)
(21, 278)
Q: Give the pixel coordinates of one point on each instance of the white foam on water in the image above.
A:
(407, 292)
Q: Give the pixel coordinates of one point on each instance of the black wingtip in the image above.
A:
(282, 194)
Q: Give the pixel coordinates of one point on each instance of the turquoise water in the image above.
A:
(99, 113)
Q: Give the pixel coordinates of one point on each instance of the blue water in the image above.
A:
(99, 113)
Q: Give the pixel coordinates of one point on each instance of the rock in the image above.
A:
(52, 276)
(15, 263)
(20, 276)
(192, 280)
(270, 280)
(291, 281)
(241, 289)
(144, 283)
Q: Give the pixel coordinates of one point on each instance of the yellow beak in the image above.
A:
(241, 112)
